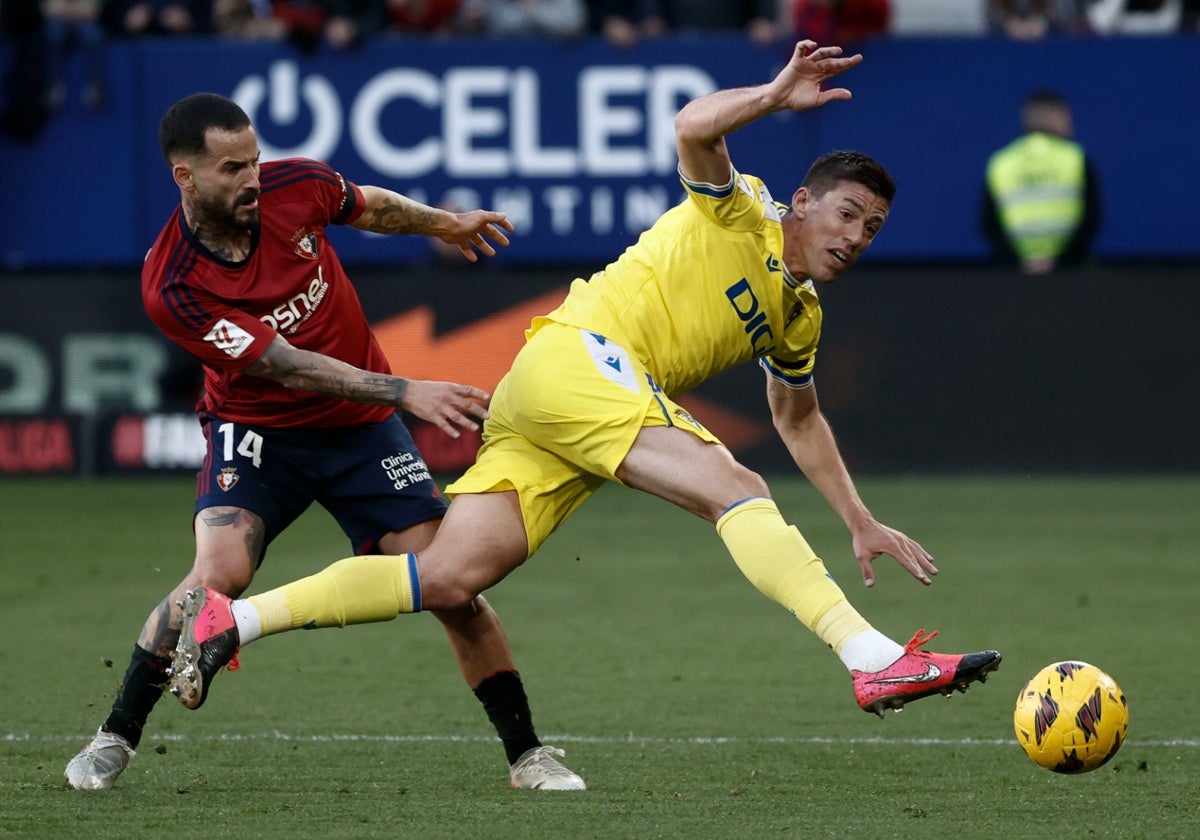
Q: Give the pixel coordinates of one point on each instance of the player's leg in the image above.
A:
(225, 539)
(478, 543)
(514, 495)
(250, 487)
(703, 477)
(689, 468)
(485, 660)
(378, 587)
(254, 483)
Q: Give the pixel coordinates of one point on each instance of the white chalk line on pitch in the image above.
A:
(1188, 743)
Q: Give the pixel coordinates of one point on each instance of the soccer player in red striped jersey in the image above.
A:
(299, 403)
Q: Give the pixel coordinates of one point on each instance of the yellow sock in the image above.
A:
(357, 590)
(777, 559)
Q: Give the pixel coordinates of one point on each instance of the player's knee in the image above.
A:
(446, 596)
(228, 580)
(750, 484)
(441, 589)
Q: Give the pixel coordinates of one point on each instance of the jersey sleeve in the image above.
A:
(792, 361)
(735, 204)
(339, 202)
(218, 335)
(796, 375)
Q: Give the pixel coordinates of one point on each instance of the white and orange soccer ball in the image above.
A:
(1071, 717)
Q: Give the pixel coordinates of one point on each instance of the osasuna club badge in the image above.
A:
(228, 477)
(306, 244)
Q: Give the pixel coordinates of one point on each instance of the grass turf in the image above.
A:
(693, 706)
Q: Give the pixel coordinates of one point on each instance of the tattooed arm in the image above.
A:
(390, 212)
(446, 404)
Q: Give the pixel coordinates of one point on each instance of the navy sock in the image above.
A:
(143, 685)
(503, 698)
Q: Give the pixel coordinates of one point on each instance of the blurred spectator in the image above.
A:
(303, 21)
(1191, 16)
(549, 18)
(1041, 204)
(423, 16)
(246, 20)
(840, 22)
(1029, 20)
(1135, 17)
(135, 18)
(65, 25)
(351, 22)
(759, 19)
(341, 24)
(623, 23)
(23, 110)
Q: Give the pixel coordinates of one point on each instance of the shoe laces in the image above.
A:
(544, 759)
(107, 740)
(919, 638)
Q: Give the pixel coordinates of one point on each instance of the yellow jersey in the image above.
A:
(704, 289)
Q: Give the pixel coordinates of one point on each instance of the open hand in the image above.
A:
(877, 539)
(799, 83)
(447, 405)
(473, 231)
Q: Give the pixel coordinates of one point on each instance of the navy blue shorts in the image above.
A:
(371, 478)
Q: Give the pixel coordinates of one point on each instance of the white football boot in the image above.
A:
(99, 763)
(538, 769)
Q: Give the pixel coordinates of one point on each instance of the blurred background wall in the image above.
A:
(576, 142)
(933, 360)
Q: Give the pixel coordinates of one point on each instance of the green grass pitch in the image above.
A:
(692, 705)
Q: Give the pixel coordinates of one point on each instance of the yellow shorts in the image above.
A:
(561, 422)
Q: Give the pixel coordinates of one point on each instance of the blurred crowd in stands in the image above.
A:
(42, 33)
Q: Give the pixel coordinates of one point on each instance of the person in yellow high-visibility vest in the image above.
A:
(1042, 205)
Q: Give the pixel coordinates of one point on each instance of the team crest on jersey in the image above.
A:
(228, 477)
(306, 243)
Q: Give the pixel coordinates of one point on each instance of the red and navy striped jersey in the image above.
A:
(292, 284)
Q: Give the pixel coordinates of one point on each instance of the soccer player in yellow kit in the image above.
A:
(727, 276)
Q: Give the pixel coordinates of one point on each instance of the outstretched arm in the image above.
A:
(809, 439)
(447, 405)
(389, 212)
(701, 125)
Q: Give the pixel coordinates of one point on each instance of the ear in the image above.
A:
(182, 173)
(800, 199)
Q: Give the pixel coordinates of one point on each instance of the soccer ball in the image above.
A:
(1071, 717)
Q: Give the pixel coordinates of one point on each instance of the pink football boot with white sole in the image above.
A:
(918, 674)
(207, 643)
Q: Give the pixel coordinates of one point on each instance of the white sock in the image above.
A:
(245, 616)
(869, 651)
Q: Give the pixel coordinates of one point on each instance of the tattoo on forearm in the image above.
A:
(376, 389)
(320, 374)
(405, 217)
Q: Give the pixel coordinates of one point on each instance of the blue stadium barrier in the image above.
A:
(575, 140)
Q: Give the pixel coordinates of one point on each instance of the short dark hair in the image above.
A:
(1045, 96)
(1043, 110)
(182, 129)
(831, 169)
